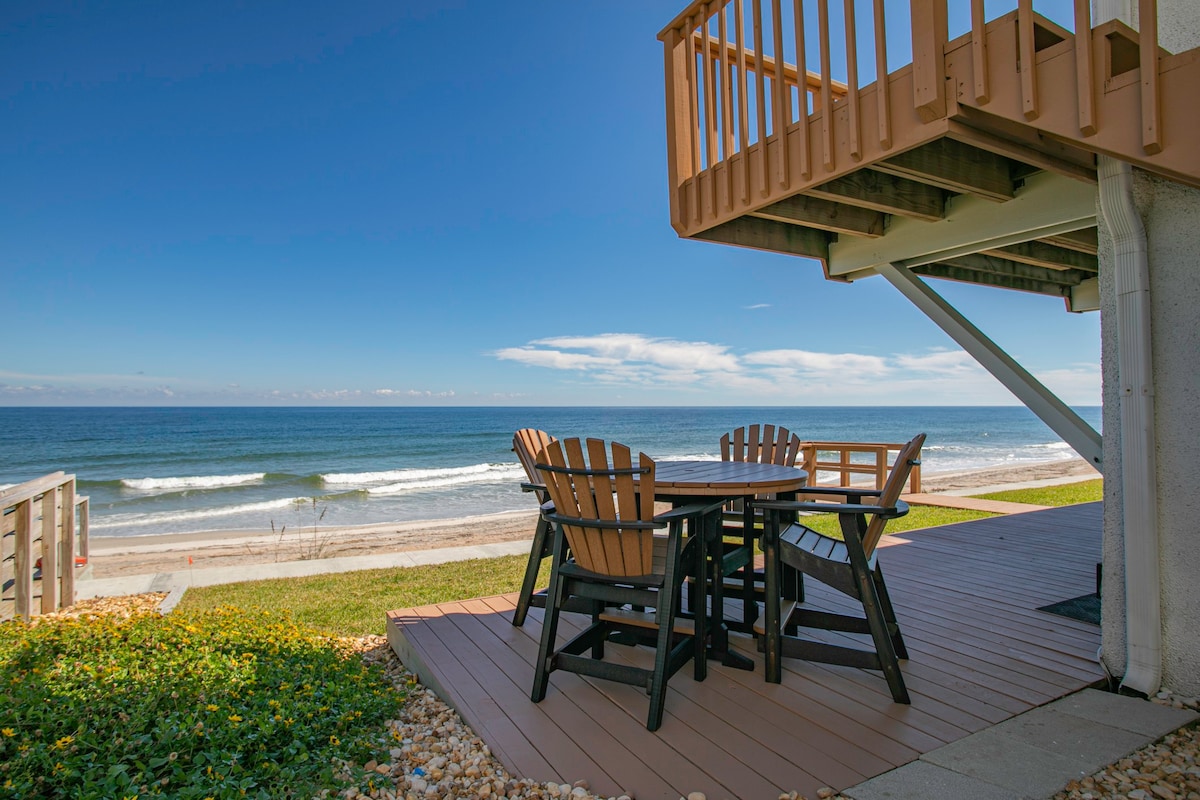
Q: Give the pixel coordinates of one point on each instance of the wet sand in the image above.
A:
(114, 556)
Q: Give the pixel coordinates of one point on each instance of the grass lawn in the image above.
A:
(354, 603)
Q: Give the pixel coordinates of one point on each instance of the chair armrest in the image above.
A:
(533, 487)
(840, 490)
(690, 510)
(887, 512)
(583, 522)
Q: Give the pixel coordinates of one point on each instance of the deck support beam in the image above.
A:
(1041, 401)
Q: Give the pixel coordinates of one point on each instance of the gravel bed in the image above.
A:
(438, 756)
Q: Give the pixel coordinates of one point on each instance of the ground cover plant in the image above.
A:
(212, 704)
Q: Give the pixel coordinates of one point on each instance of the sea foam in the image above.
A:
(194, 482)
(174, 517)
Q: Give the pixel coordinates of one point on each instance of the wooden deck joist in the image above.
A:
(980, 652)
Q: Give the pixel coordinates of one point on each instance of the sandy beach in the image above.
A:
(133, 555)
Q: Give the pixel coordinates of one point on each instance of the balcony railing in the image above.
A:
(749, 123)
(44, 532)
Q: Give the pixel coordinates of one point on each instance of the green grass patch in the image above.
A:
(221, 703)
(1066, 494)
(354, 603)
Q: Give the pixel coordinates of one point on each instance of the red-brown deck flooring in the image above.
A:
(979, 652)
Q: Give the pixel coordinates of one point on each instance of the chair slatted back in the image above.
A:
(765, 444)
(910, 456)
(586, 487)
(527, 443)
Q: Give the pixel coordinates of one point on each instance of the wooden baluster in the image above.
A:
(1148, 49)
(710, 112)
(50, 551)
(979, 52)
(1029, 97)
(760, 98)
(679, 134)
(882, 101)
(802, 90)
(693, 115)
(1085, 80)
(929, 35)
(67, 557)
(743, 103)
(23, 560)
(855, 133)
(727, 138)
(826, 86)
(782, 96)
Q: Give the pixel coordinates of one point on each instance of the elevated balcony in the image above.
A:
(975, 161)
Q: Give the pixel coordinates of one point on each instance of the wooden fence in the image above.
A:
(854, 464)
(44, 536)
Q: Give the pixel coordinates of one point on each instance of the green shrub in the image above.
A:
(214, 704)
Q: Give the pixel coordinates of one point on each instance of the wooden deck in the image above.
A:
(966, 596)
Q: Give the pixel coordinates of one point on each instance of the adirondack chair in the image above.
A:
(764, 444)
(527, 443)
(851, 566)
(618, 559)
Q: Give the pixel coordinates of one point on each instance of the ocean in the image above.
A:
(152, 471)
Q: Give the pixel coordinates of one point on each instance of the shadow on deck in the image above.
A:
(980, 653)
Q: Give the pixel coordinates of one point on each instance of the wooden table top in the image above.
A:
(725, 478)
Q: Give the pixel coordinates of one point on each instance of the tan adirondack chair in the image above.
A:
(619, 557)
(763, 444)
(851, 566)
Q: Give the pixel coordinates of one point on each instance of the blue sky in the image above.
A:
(415, 203)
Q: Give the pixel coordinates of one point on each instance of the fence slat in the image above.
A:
(50, 551)
(693, 114)
(66, 595)
(679, 136)
(710, 95)
(23, 560)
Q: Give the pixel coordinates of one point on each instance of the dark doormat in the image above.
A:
(1085, 608)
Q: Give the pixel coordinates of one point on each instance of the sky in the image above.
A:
(416, 203)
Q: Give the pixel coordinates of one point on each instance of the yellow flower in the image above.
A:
(211, 707)
(63, 742)
(334, 740)
(9, 732)
(234, 718)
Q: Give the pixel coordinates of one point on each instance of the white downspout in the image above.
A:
(1143, 624)
(1139, 482)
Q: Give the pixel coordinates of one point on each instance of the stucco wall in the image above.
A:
(1171, 213)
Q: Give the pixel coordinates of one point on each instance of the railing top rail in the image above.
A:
(15, 495)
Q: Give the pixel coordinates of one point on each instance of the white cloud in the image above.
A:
(937, 377)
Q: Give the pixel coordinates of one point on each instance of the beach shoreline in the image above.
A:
(115, 556)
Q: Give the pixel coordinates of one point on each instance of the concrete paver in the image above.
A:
(1032, 755)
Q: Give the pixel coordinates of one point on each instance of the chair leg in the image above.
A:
(539, 549)
(879, 633)
(662, 652)
(554, 602)
(889, 613)
(772, 656)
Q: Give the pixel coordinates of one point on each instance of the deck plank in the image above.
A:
(966, 596)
